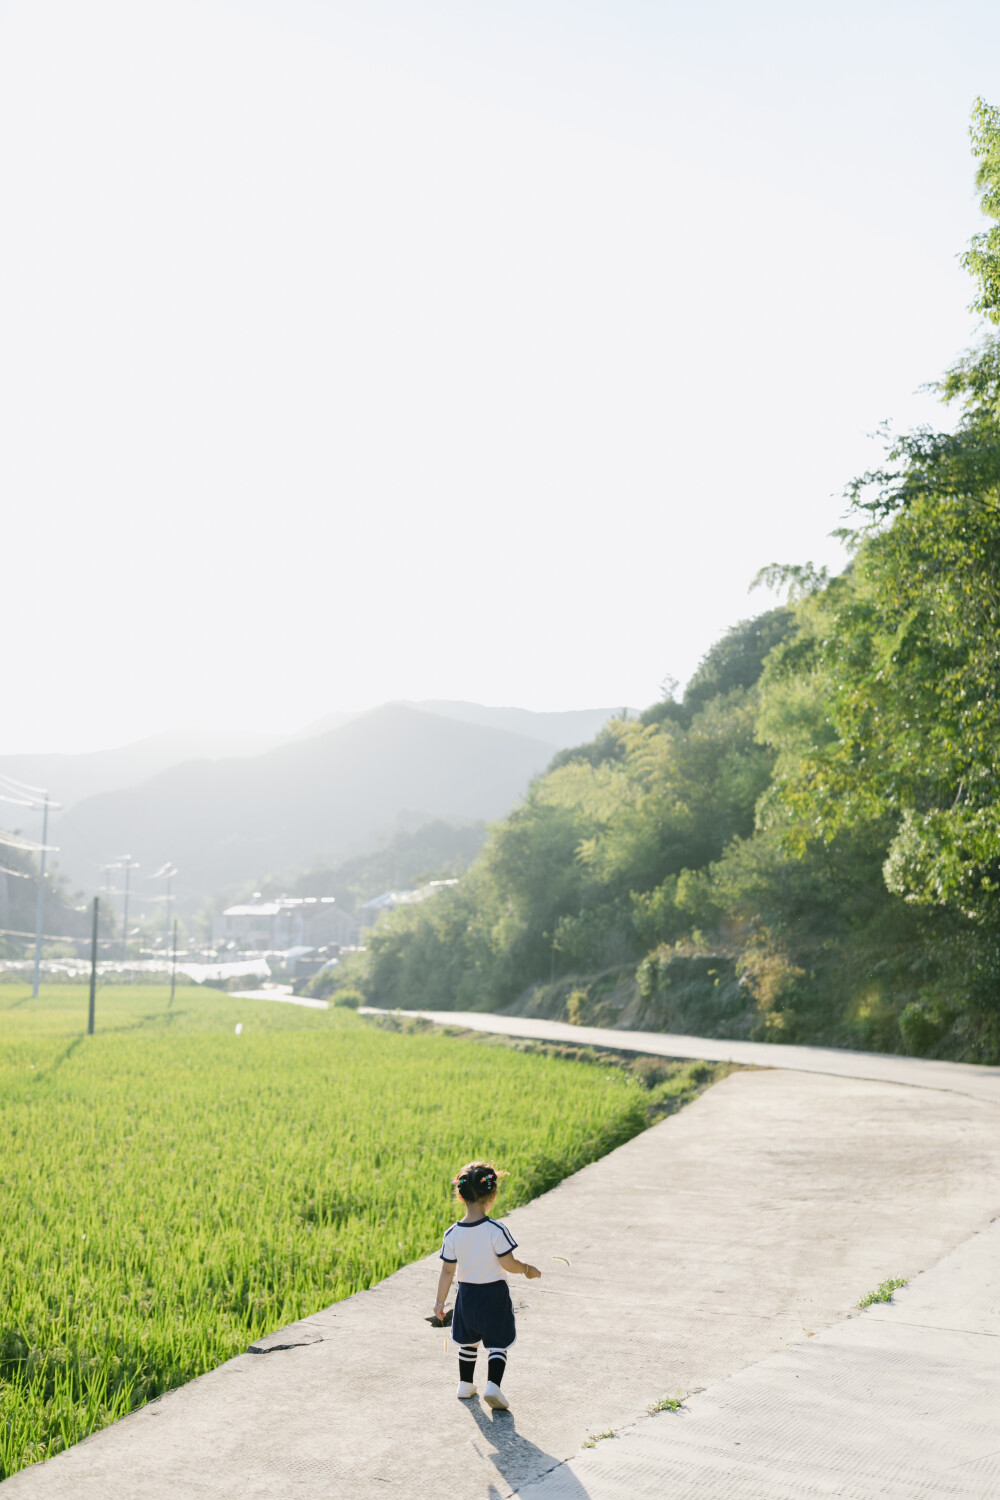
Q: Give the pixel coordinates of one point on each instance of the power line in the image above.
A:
(49, 937)
(22, 786)
(132, 896)
(26, 797)
(27, 845)
(17, 801)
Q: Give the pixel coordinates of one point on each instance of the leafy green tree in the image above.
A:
(887, 703)
(582, 876)
(821, 809)
(983, 255)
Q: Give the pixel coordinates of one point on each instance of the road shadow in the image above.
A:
(518, 1459)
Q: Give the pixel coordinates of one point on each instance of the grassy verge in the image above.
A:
(666, 1084)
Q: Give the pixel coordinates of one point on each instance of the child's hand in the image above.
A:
(439, 1310)
(531, 1272)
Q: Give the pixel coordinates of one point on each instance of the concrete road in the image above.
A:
(282, 993)
(916, 1072)
(901, 1402)
(742, 1230)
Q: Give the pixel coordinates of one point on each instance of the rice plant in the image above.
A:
(173, 1189)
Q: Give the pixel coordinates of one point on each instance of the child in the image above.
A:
(482, 1250)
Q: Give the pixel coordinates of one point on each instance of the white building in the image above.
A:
(288, 922)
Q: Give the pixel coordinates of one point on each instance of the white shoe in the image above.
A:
(495, 1397)
(466, 1390)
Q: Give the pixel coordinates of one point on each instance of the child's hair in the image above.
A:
(477, 1181)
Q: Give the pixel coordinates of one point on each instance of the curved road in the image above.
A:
(885, 1067)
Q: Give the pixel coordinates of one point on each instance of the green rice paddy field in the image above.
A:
(171, 1190)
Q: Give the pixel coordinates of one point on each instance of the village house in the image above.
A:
(288, 922)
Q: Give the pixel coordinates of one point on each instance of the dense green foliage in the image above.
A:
(172, 1189)
(584, 874)
(816, 825)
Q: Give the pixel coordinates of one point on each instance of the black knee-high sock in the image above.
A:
(467, 1362)
(498, 1363)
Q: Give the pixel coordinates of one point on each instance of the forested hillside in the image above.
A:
(807, 846)
(64, 917)
(435, 851)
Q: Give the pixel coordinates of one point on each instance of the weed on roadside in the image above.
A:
(883, 1292)
(598, 1437)
(666, 1403)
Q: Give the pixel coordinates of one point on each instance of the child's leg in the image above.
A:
(467, 1361)
(498, 1364)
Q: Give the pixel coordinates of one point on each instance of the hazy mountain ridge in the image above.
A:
(319, 799)
(71, 778)
(559, 729)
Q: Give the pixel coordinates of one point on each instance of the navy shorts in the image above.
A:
(484, 1314)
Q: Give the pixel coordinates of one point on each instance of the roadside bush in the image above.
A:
(350, 998)
(921, 1026)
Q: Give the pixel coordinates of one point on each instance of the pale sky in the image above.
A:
(454, 349)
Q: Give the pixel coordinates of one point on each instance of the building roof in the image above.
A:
(272, 908)
(390, 899)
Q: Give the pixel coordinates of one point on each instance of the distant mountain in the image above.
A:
(572, 727)
(334, 720)
(561, 730)
(71, 778)
(224, 822)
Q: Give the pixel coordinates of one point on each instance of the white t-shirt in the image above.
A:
(476, 1248)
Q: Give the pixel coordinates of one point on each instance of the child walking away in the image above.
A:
(482, 1251)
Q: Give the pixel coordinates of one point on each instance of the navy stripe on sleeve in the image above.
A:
(511, 1241)
(451, 1259)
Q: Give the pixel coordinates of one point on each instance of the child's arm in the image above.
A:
(444, 1287)
(518, 1267)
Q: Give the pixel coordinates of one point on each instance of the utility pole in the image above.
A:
(93, 970)
(173, 966)
(40, 909)
(166, 872)
(127, 865)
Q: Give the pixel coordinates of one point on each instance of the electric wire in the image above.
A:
(47, 937)
(132, 895)
(27, 845)
(23, 786)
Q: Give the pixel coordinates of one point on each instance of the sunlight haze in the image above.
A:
(356, 352)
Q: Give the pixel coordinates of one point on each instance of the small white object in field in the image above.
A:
(562, 1258)
(239, 1028)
